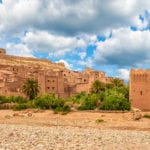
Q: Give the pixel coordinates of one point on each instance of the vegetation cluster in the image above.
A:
(103, 96)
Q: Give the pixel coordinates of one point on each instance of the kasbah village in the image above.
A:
(55, 78)
(35, 128)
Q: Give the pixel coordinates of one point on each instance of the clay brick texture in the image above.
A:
(52, 77)
(140, 89)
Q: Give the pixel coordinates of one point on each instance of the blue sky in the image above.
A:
(110, 36)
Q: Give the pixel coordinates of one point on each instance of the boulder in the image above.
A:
(137, 114)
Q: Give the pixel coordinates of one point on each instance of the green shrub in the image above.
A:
(22, 106)
(88, 104)
(97, 87)
(17, 99)
(49, 101)
(115, 101)
(108, 86)
(64, 109)
(45, 101)
(58, 103)
(99, 121)
(102, 96)
(60, 106)
(123, 90)
(3, 99)
(79, 98)
(147, 116)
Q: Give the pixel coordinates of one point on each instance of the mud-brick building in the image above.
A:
(52, 77)
(140, 89)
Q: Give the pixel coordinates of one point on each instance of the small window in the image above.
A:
(48, 88)
(141, 92)
(48, 80)
(53, 88)
(53, 80)
(84, 80)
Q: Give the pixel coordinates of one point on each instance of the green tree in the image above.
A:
(97, 87)
(31, 88)
(118, 82)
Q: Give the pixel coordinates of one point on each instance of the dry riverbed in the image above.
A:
(44, 130)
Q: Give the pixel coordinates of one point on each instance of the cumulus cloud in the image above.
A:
(68, 17)
(56, 45)
(88, 62)
(123, 74)
(82, 55)
(63, 28)
(18, 50)
(124, 48)
(67, 65)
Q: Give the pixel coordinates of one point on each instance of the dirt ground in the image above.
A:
(119, 120)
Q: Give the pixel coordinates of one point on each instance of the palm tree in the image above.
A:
(31, 88)
(97, 87)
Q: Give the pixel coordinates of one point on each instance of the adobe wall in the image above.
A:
(52, 77)
(2, 51)
(140, 89)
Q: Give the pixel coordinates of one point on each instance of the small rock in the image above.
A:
(137, 114)
(15, 114)
(29, 114)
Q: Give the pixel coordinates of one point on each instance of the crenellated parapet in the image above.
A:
(139, 75)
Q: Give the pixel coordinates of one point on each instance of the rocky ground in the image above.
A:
(75, 131)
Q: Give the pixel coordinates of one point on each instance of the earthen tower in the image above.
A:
(140, 89)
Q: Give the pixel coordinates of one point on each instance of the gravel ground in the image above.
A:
(18, 137)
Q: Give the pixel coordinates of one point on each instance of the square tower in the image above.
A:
(140, 89)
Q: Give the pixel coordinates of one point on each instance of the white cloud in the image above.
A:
(123, 74)
(17, 16)
(82, 62)
(68, 17)
(67, 65)
(56, 45)
(18, 50)
(82, 55)
(125, 48)
(88, 62)
(65, 27)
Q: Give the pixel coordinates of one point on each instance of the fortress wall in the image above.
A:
(26, 61)
(83, 87)
(140, 89)
(52, 77)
